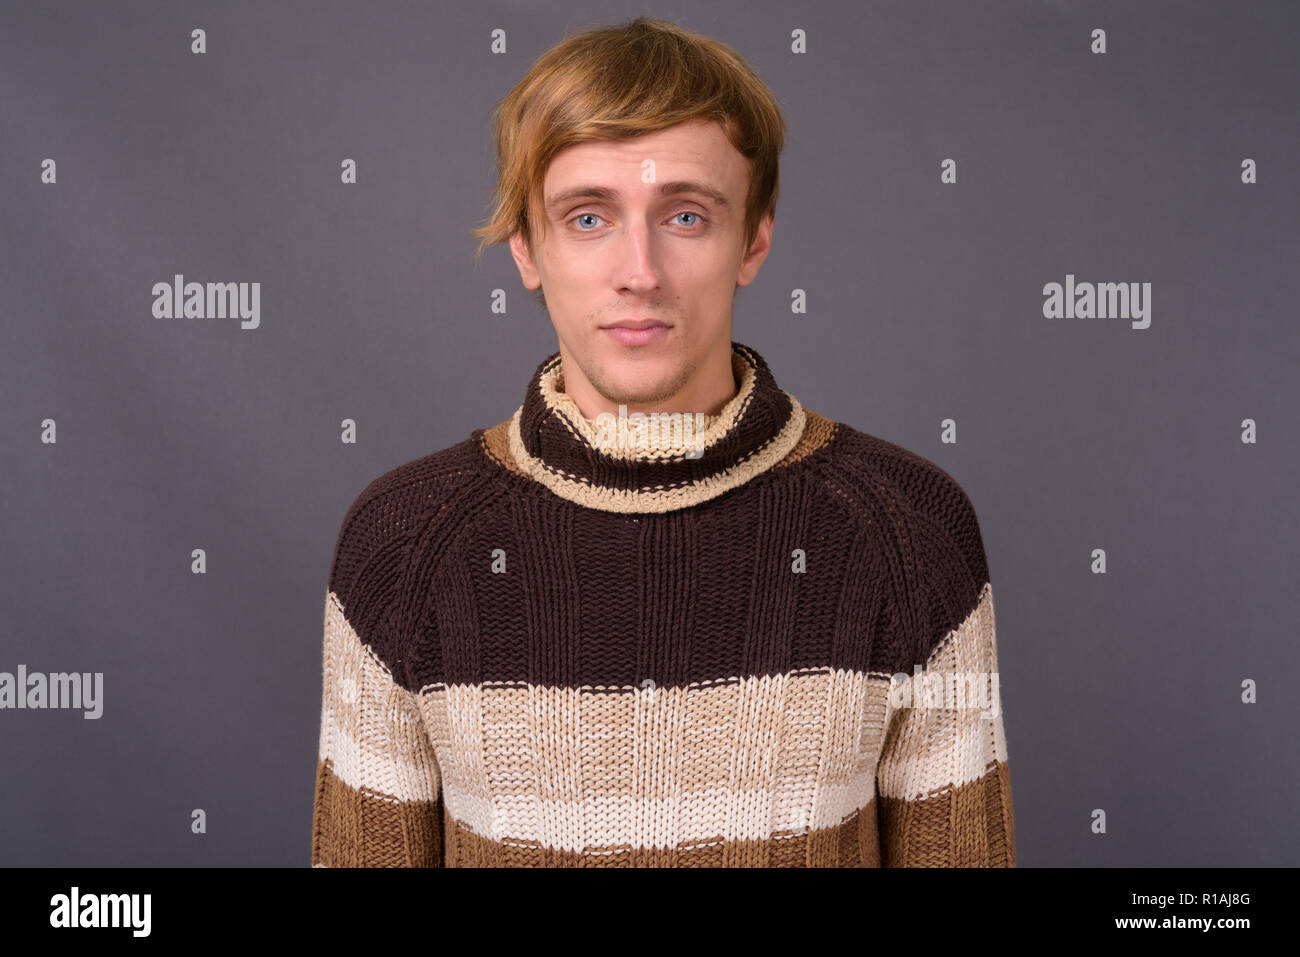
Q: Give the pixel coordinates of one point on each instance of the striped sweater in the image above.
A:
(548, 646)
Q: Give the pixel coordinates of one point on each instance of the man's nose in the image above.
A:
(639, 257)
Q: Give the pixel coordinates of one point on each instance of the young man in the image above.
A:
(663, 614)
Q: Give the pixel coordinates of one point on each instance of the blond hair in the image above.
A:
(616, 83)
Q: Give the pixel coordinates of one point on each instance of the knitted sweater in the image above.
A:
(544, 647)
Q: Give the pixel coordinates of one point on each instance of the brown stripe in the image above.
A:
(969, 826)
(579, 609)
(817, 433)
(495, 444)
(352, 828)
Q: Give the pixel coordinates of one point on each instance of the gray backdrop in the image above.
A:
(1122, 691)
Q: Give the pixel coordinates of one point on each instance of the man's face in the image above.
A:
(649, 248)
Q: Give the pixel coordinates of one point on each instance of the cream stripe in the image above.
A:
(371, 728)
(695, 817)
(931, 750)
(575, 768)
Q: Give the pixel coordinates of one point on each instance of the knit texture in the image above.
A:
(547, 647)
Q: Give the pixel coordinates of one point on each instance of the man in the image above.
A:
(664, 614)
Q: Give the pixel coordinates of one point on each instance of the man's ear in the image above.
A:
(757, 252)
(523, 257)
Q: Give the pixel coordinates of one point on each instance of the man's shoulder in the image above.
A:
(925, 521)
(887, 483)
(426, 480)
(875, 466)
(396, 507)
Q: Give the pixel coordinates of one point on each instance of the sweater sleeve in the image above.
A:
(943, 783)
(378, 800)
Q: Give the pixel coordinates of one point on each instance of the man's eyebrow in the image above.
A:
(606, 194)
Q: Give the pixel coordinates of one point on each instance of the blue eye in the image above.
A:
(685, 212)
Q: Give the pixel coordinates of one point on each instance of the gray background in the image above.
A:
(1121, 691)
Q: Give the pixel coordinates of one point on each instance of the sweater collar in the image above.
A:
(639, 463)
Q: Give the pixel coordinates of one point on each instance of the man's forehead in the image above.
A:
(607, 170)
(599, 191)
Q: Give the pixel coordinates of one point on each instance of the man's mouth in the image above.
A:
(636, 332)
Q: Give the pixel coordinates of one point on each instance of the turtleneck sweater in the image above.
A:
(564, 641)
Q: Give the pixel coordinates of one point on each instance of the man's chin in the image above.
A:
(639, 387)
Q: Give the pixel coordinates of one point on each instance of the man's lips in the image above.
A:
(635, 324)
(636, 332)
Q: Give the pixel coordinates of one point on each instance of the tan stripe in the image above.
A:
(930, 750)
(746, 758)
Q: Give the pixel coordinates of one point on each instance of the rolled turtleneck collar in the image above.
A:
(653, 463)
